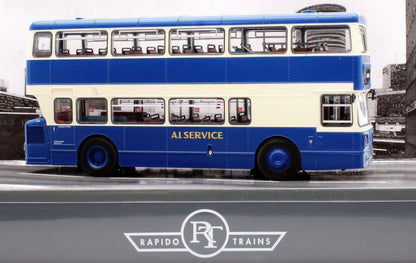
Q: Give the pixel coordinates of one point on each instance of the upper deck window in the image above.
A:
(88, 43)
(207, 41)
(42, 44)
(334, 39)
(258, 40)
(142, 42)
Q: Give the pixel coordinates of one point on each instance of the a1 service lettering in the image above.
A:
(191, 135)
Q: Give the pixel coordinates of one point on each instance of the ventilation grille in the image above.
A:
(35, 135)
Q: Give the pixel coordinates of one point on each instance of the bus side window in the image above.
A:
(258, 40)
(197, 111)
(196, 41)
(308, 39)
(240, 111)
(42, 44)
(138, 111)
(92, 110)
(336, 110)
(63, 111)
(138, 42)
(85, 43)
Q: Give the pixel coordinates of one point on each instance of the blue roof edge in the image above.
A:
(305, 18)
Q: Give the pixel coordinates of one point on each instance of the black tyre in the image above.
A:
(277, 159)
(98, 157)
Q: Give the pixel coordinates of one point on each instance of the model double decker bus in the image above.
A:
(274, 93)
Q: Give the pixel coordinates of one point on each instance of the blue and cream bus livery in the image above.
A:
(274, 93)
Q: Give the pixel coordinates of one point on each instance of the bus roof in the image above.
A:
(302, 18)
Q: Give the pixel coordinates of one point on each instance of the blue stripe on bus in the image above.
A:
(200, 21)
(233, 147)
(216, 70)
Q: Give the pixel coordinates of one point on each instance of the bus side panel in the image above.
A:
(191, 146)
(38, 72)
(258, 69)
(322, 69)
(239, 156)
(144, 147)
(127, 71)
(63, 147)
(91, 71)
(196, 70)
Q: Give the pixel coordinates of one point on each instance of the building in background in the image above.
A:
(390, 121)
(410, 109)
(324, 8)
(15, 111)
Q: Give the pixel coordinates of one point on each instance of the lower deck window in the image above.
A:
(240, 111)
(336, 110)
(63, 111)
(196, 111)
(92, 110)
(138, 111)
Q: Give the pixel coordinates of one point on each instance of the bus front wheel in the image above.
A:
(278, 159)
(98, 157)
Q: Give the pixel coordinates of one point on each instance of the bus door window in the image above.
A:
(196, 111)
(63, 111)
(258, 40)
(138, 42)
(240, 111)
(92, 110)
(197, 41)
(88, 43)
(336, 39)
(336, 110)
(138, 111)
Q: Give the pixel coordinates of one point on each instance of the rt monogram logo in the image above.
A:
(207, 231)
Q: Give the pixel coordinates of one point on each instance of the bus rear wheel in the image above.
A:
(98, 157)
(277, 159)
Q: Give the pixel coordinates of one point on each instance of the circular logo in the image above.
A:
(205, 233)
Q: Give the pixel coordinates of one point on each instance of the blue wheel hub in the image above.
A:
(97, 157)
(278, 159)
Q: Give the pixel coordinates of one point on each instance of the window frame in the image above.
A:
(232, 52)
(163, 120)
(85, 51)
(144, 53)
(337, 123)
(91, 122)
(192, 53)
(201, 122)
(70, 112)
(249, 115)
(313, 50)
(38, 53)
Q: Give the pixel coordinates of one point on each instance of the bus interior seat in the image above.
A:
(64, 52)
(211, 48)
(187, 49)
(199, 49)
(102, 51)
(160, 49)
(89, 52)
(151, 50)
(126, 51)
(137, 51)
(206, 119)
(176, 50)
(218, 118)
(221, 48)
(196, 118)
